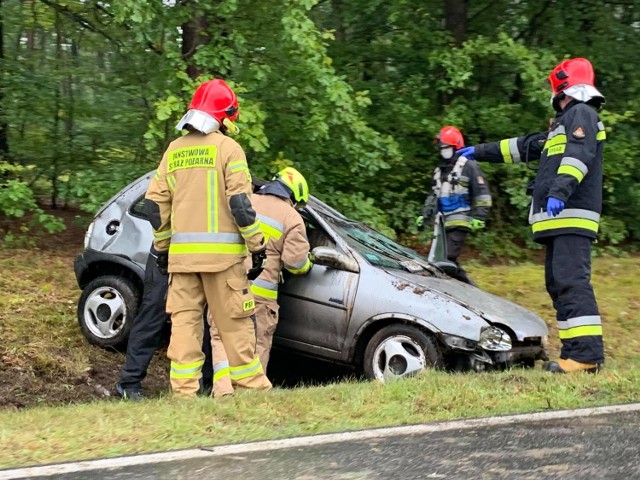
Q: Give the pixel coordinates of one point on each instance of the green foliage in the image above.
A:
(351, 93)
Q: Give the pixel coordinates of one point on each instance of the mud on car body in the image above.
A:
(368, 302)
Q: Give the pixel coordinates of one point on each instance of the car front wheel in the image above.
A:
(399, 351)
(106, 309)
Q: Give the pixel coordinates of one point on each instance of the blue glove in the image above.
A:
(554, 206)
(469, 152)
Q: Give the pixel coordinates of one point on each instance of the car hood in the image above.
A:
(492, 308)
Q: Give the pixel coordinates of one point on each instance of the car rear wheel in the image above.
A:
(398, 351)
(106, 310)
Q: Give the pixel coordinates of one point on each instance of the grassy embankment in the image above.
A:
(45, 360)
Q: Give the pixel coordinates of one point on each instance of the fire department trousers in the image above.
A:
(148, 329)
(568, 281)
(232, 306)
(266, 323)
(215, 372)
(455, 242)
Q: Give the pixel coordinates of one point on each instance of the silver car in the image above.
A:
(368, 302)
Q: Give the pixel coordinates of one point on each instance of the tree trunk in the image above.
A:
(4, 138)
(455, 19)
(194, 34)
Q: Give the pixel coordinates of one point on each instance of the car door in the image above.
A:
(315, 308)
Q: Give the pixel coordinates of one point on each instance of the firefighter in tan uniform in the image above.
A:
(287, 247)
(200, 209)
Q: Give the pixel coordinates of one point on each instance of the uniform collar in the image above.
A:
(276, 189)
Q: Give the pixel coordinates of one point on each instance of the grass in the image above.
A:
(41, 345)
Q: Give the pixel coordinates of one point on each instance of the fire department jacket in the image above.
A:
(287, 245)
(461, 192)
(202, 197)
(570, 170)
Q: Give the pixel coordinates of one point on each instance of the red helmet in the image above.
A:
(450, 136)
(217, 99)
(575, 71)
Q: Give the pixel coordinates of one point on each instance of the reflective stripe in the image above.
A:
(221, 370)
(157, 175)
(556, 144)
(205, 237)
(271, 222)
(482, 201)
(263, 288)
(197, 248)
(568, 213)
(238, 165)
(556, 131)
(457, 223)
(248, 370)
(575, 163)
(251, 229)
(212, 201)
(557, 223)
(513, 149)
(571, 170)
(505, 151)
(301, 267)
(270, 227)
(187, 370)
(162, 235)
(171, 181)
(584, 331)
(579, 322)
(601, 135)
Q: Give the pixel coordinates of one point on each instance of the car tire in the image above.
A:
(400, 350)
(106, 310)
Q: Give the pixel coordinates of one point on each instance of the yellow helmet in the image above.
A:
(294, 180)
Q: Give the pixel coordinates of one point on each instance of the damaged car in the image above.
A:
(368, 302)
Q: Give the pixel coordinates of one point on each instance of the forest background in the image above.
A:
(350, 92)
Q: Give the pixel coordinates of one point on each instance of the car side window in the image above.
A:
(316, 235)
(137, 208)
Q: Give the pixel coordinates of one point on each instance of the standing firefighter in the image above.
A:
(566, 206)
(460, 193)
(287, 247)
(201, 213)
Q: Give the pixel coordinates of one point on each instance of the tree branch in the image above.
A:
(67, 12)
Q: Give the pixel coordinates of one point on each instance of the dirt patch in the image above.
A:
(48, 380)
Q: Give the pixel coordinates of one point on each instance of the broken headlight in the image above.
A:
(494, 339)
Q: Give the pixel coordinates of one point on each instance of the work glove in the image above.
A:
(469, 152)
(554, 206)
(162, 261)
(420, 223)
(258, 260)
(477, 224)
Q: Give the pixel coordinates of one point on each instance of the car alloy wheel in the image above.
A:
(106, 310)
(399, 351)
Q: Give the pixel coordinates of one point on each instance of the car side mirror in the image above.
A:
(330, 257)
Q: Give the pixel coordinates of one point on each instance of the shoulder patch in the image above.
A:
(578, 133)
(480, 180)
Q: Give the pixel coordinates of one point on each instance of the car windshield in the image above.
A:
(379, 250)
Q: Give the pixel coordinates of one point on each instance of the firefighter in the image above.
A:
(460, 193)
(200, 210)
(287, 247)
(566, 207)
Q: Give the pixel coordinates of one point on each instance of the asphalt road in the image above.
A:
(595, 447)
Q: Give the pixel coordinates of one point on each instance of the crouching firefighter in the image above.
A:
(460, 193)
(566, 206)
(201, 194)
(287, 247)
